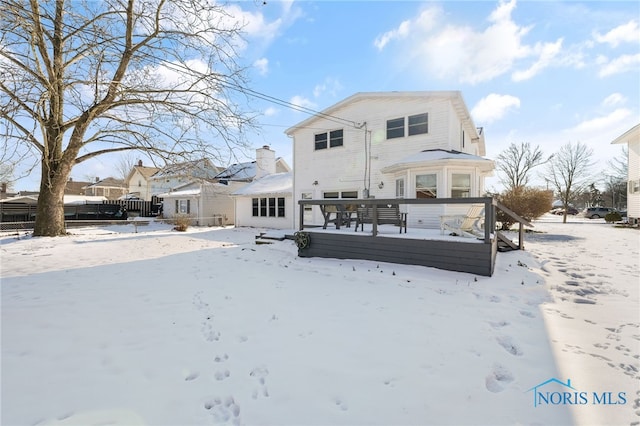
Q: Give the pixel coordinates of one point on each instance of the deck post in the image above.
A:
(301, 225)
(488, 220)
(374, 219)
(520, 236)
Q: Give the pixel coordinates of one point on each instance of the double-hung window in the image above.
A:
(321, 141)
(427, 186)
(400, 188)
(331, 139)
(395, 128)
(183, 206)
(460, 185)
(336, 138)
(417, 124)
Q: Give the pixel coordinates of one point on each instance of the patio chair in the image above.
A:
(467, 225)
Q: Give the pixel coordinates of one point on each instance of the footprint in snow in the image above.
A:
(498, 378)
(227, 410)
(507, 343)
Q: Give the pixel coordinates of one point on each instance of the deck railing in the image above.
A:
(490, 206)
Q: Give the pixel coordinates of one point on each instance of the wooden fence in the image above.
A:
(107, 210)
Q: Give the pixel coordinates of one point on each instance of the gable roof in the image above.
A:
(246, 172)
(240, 171)
(108, 182)
(277, 183)
(202, 169)
(145, 171)
(437, 155)
(628, 136)
(454, 95)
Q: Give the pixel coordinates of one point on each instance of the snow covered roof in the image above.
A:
(241, 171)
(183, 193)
(277, 183)
(202, 169)
(434, 155)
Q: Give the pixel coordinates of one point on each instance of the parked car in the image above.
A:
(597, 212)
(570, 210)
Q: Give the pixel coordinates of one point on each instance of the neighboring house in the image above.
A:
(267, 201)
(207, 203)
(139, 181)
(208, 200)
(75, 187)
(632, 138)
(265, 163)
(391, 145)
(178, 175)
(110, 188)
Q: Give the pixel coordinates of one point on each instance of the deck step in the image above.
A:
(505, 244)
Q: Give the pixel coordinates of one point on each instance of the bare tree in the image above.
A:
(80, 78)
(616, 179)
(516, 162)
(124, 165)
(569, 171)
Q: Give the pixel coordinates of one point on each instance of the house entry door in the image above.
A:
(308, 210)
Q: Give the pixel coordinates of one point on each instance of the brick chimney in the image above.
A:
(265, 161)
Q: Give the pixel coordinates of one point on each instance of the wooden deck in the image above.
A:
(474, 257)
(462, 254)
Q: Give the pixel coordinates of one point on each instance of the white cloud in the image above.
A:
(302, 102)
(548, 52)
(614, 99)
(271, 111)
(262, 65)
(402, 31)
(493, 107)
(600, 124)
(329, 85)
(465, 53)
(618, 65)
(626, 33)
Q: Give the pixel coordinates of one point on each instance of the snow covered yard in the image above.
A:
(205, 327)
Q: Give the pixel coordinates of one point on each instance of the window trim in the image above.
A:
(329, 139)
(396, 127)
(408, 128)
(435, 193)
(268, 207)
(416, 125)
(460, 188)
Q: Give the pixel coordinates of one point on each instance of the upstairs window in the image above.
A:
(335, 138)
(321, 141)
(395, 128)
(331, 139)
(418, 124)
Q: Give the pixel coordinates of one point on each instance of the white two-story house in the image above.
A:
(391, 145)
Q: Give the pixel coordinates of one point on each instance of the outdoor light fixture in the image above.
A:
(315, 182)
(381, 185)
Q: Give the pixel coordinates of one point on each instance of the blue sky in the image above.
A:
(543, 72)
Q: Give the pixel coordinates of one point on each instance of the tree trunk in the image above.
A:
(50, 211)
